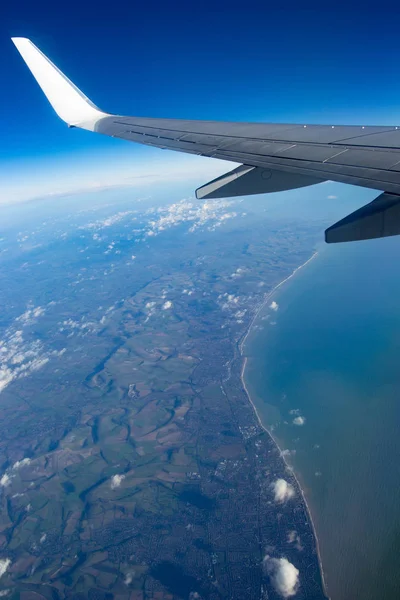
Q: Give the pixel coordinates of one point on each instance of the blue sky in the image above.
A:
(210, 60)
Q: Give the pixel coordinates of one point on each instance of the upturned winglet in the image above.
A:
(71, 105)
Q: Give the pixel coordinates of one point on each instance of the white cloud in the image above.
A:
(238, 273)
(291, 537)
(43, 538)
(129, 578)
(210, 214)
(5, 481)
(6, 377)
(228, 301)
(116, 481)
(30, 315)
(274, 306)
(332, 197)
(283, 490)
(108, 222)
(20, 355)
(294, 538)
(4, 564)
(21, 463)
(299, 421)
(167, 305)
(151, 309)
(288, 452)
(283, 575)
(81, 327)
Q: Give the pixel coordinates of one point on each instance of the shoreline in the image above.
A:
(240, 346)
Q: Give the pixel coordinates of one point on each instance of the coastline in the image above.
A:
(240, 346)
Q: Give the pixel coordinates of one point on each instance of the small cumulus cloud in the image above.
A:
(332, 197)
(299, 421)
(228, 301)
(198, 215)
(238, 273)
(150, 310)
(167, 305)
(4, 564)
(107, 222)
(283, 575)
(288, 452)
(20, 355)
(282, 490)
(80, 327)
(5, 481)
(30, 315)
(21, 463)
(274, 306)
(116, 481)
(294, 539)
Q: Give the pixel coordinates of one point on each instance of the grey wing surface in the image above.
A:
(274, 156)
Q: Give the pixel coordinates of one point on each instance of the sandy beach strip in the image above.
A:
(244, 364)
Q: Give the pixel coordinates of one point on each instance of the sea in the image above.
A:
(323, 371)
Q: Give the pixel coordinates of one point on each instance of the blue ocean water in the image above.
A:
(330, 353)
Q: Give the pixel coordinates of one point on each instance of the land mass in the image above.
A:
(132, 463)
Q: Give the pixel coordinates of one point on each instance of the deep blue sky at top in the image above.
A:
(205, 60)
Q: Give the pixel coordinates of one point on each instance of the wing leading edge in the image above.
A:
(275, 157)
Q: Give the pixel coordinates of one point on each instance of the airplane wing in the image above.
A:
(274, 156)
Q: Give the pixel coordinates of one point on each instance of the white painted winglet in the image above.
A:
(71, 105)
